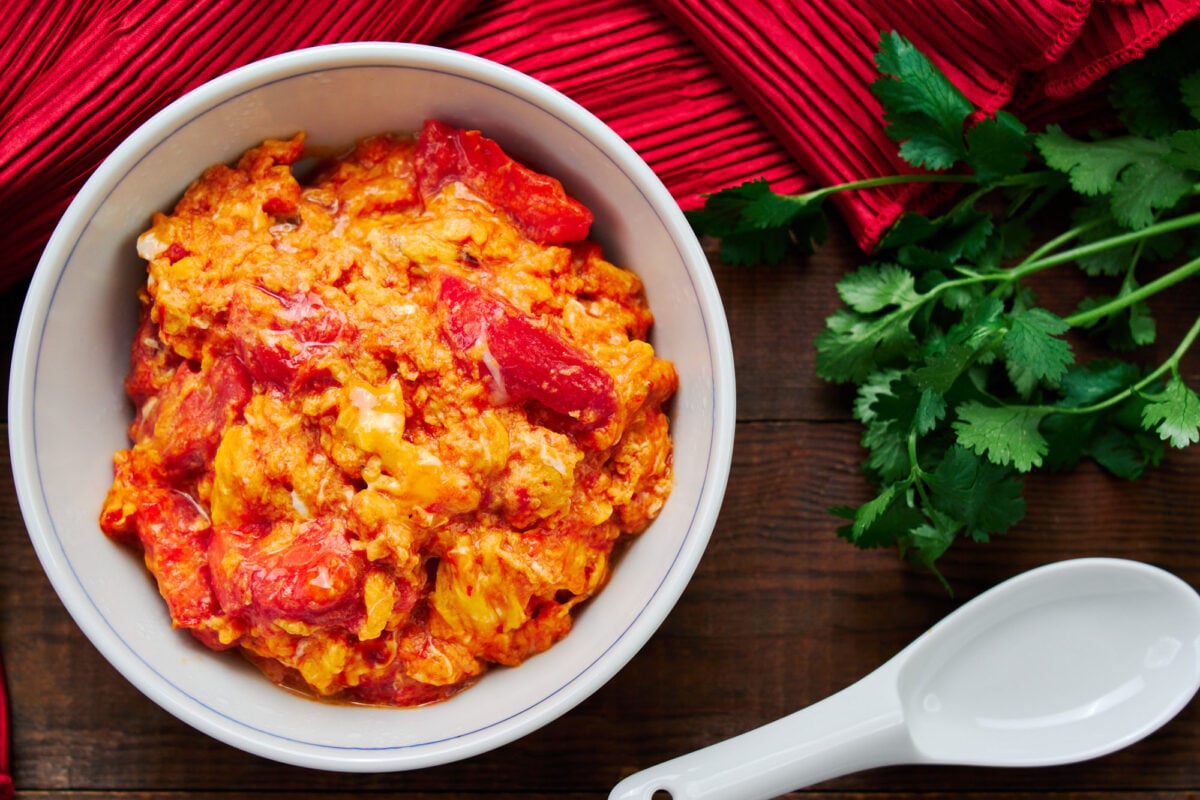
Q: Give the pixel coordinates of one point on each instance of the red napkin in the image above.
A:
(805, 66)
(629, 65)
(710, 92)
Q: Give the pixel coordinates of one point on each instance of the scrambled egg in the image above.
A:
(390, 423)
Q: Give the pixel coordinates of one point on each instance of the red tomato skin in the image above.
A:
(151, 362)
(537, 203)
(194, 411)
(523, 359)
(315, 578)
(175, 534)
(284, 347)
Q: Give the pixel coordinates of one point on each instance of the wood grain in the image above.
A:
(780, 614)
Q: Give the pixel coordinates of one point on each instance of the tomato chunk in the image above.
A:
(151, 362)
(537, 203)
(195, 409)
(174, 533)
(521, 358)
(400, 690)
(283, 338)
(307, 572)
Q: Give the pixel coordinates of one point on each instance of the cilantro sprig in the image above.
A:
(964, 382)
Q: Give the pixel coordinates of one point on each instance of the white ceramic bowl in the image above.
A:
(68, 412)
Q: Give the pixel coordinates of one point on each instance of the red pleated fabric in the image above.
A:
(805, 67)
(629, 65)
(1115, 33)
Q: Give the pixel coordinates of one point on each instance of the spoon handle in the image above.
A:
(858, 728)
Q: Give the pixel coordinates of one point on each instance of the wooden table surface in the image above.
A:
(780, 614)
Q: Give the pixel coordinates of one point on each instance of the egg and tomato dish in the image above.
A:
(390, 422)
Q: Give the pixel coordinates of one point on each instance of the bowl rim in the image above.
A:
(47, 277)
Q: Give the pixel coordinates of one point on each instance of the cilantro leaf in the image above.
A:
(961, 232)
(1032, 344)
(873, 387)
(881, 408)
(966, 343)
(911, 228)
(758, 226)
(748, 248)
(926, 543)
(986, 497)
(1005, 434)
(1113, 438)
(1143, 105)
(1131, 327)
(854, 345)
(877, 286)
(724, 212)
(1092, 217)
(1092, 167)
(941, 370)
(887, 451)
(1189, 94)
(923, 245)
(923, 110)
(1023, 381)
(1184, 149)
(1174, 413)
(1089, 384)
(911, 409)
(881, 521)
(1125, 453)
(1142, 91)
(1145, 187)
(997, 147)
(931, 409)
(870, 512)
(1135, 172)
(765, 209)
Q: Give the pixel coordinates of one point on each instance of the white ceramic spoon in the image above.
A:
(1062, 663)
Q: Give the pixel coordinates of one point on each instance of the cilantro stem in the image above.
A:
(1053, 244)
(886, 180)
(1083, 318)
(1150, 289)
(1171, 364)
(1035, 263)
(916, 475)
(1028, 178)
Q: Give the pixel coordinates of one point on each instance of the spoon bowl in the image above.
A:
(1062, 663)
